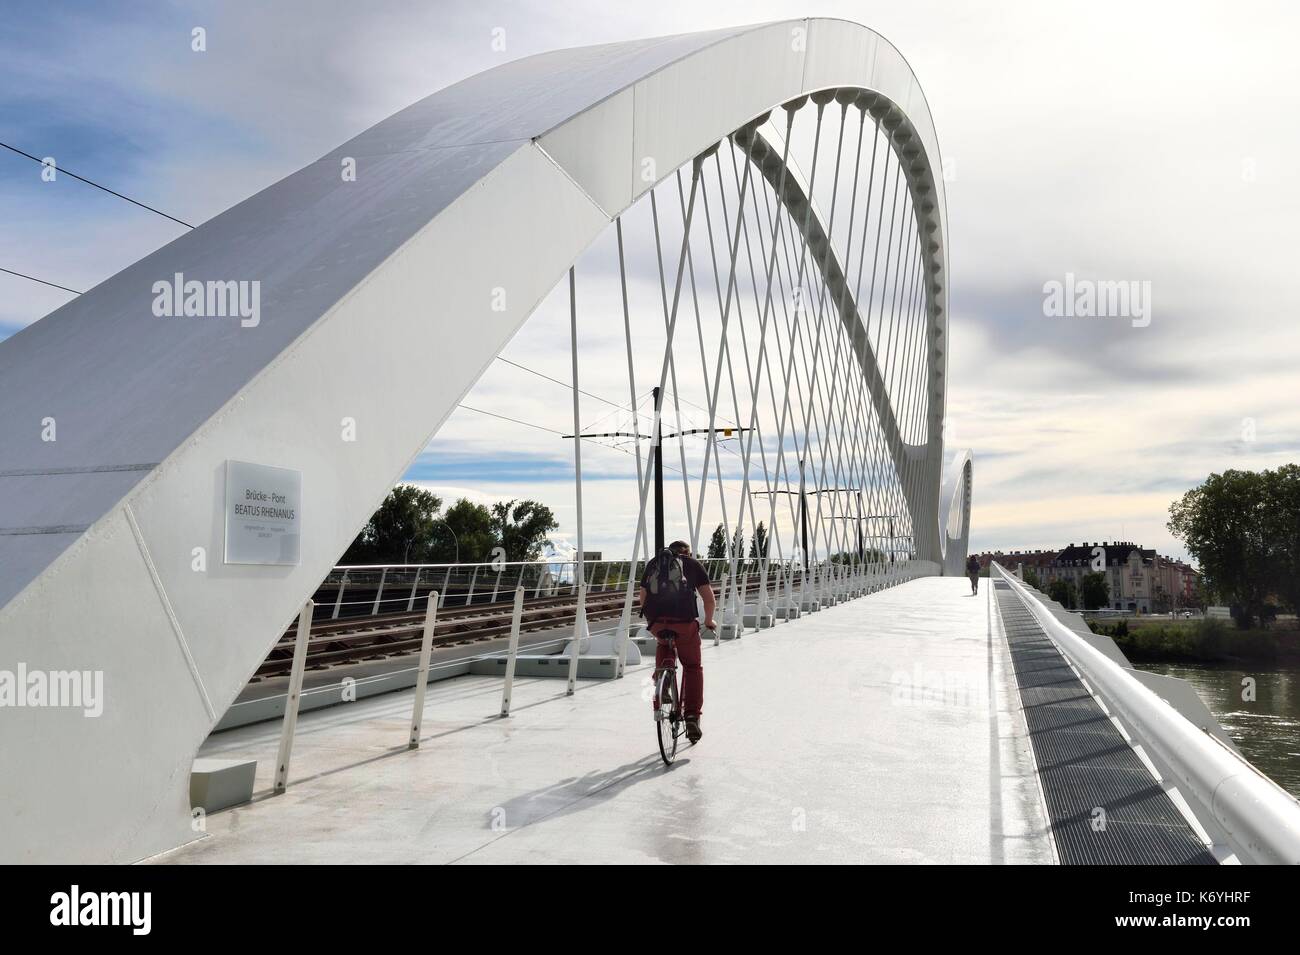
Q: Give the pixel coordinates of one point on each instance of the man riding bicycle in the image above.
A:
(668, 589)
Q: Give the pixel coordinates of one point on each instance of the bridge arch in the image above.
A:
(497, 182)
(957, 502)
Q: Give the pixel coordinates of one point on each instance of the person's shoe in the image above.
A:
(693, 731)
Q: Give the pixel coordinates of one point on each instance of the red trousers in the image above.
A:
(687, 644)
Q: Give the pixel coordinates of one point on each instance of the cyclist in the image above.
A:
(668, 589)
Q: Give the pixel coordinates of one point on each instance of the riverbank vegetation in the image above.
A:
(1200, 641)
(1243, 530)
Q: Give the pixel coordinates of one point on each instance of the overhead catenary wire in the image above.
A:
(103, 188)
(562, 384)
(541, 427)
(32, 278)
(526, 424)
(89, 182)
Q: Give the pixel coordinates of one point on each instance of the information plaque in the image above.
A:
(263, 514)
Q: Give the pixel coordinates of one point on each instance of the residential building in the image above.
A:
(1138, 580)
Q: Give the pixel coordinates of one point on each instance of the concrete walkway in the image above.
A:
(881, 730)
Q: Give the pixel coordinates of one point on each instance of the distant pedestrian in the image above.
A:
(973, 572)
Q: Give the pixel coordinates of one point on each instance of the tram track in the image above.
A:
(353, 639)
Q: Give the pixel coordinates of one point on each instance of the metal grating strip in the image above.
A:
(1085, 764)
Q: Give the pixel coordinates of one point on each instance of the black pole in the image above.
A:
(862, 550)
(657, 454)
(803, 516)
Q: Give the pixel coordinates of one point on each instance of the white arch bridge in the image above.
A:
(756, 217)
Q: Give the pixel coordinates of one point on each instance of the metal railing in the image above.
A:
(395, 588)
(784, 585)
(1258, 819)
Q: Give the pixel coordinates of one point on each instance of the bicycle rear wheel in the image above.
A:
(668, 726)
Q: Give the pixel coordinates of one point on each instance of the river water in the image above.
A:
(1267, 729)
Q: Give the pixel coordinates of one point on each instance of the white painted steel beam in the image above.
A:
(956, 503)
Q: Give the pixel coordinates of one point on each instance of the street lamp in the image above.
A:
(454, 538)
(656, 455)
(803, 512)
(803, 493)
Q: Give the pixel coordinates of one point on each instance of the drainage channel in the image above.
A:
(1104, 806)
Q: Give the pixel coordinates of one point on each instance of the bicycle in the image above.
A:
(669, 722)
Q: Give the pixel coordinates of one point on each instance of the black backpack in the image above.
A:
(668, 591)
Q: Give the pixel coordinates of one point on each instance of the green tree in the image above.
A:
(1243, 529)
(758, 546)
(1094, 590)
(521, 528)
(872, 556)
(408, 529)
(474, 533)
(1281, 512)
(1062, 591)
(1031, 578)
(718, 542)
(400, 531)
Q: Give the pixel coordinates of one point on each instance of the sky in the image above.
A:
(1152, 143)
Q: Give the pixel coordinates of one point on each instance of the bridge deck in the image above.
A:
(881, 730)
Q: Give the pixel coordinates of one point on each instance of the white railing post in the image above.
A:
(624, 633)
(720, 602)
(422, 674)
(379, 593)
(579, 634)
(621, 637)
(410, 604)
(473, 577)
(291, 699)
(338, 601)
(512, 654)
(744, 598)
